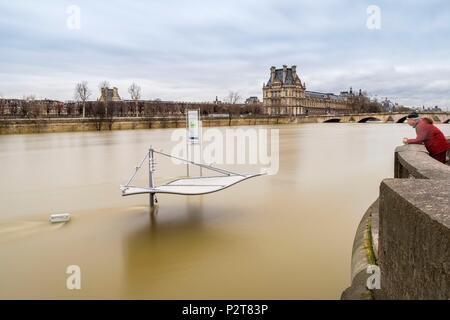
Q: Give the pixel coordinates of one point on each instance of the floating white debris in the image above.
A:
(59, 217)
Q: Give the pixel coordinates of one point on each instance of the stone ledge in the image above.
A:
(415, 159)
(415, 239)
(431, 197)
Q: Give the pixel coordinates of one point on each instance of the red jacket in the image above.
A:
(433, 138)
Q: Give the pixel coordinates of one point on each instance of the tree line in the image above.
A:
(105, 108)
(15, 108)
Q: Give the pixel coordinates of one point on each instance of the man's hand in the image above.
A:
(405, 140)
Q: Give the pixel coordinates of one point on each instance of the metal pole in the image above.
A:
(187, 142)
(151, 181)
(200, 129)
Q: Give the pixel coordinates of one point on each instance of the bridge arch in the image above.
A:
(401, 120)
(364, 120)
(446, 121)
(436, 119)
(332, 120)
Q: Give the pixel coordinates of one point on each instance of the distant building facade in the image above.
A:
(434, 109)
(108, 95)
(286, 94)
(251, 100)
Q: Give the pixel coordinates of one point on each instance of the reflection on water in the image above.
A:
(15, 230)
(282, 236)
(161, 248)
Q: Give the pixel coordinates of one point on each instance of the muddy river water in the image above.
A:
(282, 236)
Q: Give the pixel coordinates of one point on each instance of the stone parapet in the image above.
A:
(410, 232)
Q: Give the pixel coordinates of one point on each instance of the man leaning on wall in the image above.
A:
(429, 135)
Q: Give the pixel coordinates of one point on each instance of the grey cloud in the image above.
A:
(195, 50)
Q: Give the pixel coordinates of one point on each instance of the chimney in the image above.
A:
(284, 73)
(272, 74)
(294, 73)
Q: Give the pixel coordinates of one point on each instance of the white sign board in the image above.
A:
(193, 123)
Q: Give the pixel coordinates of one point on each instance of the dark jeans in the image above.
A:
(441, 157)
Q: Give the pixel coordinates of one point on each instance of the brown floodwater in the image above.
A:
(283, 236)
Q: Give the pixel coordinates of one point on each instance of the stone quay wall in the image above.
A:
(406, 232)
(47, 125)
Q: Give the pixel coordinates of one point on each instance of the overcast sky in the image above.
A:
(196, 50)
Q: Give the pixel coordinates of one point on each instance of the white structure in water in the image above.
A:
(186, 186)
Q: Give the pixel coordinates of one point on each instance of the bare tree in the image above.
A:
(103, 86)
(82, 93)
(135, 93)
(30, 97)
(27, 105)
(2, 106)
(233, 97)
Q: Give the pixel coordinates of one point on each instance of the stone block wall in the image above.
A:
(414, 245)
(410, 232)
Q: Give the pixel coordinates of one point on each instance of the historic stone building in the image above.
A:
(108, 95)
(286, 94)
(252, 100)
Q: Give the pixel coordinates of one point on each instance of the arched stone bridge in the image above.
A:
(389, 117)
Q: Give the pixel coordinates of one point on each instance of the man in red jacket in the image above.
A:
(429, 135)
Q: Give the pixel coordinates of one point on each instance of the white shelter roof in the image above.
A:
(190, 186)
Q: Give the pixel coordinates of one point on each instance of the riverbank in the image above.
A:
(48, 125)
